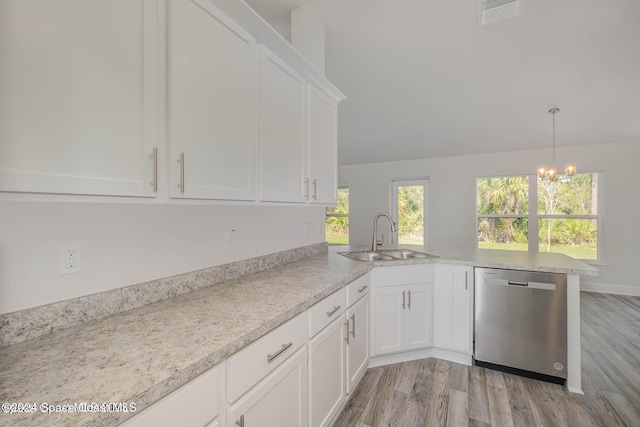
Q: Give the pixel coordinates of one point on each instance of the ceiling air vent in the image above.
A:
(498, 10)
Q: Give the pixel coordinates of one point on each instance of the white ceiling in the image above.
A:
(423, 80)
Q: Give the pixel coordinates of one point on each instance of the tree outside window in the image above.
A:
(566, 219)
(337, 224)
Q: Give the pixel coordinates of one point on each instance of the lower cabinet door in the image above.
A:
(418, 328)
(357, 342)
(388, 320)
(326, 373)
(279, 400)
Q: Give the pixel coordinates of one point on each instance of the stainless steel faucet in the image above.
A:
(375, 243)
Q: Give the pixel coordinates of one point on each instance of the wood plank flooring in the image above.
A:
(433, 392)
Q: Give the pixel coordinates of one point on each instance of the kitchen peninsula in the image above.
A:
(146, 353)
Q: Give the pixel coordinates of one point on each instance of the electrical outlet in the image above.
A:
(70, 259)
(229, 239)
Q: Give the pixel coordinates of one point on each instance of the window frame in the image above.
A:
(338, 215)
(533, 217)
(403, 182)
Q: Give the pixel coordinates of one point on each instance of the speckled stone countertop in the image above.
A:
(145, 353)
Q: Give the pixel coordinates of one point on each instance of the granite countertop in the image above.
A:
(145, 353)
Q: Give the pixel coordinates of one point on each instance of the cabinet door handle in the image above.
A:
(240, 422)
(181, 161)
(465, 281)
(346, 336)
(363, 288)
(353, 325)
(335, 308)
(315, 189)
(409, 304)
(270, 357)
(403, 299)
(154, 157)
(306, 185)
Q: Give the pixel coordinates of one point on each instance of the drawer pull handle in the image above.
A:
(240, 422)
(346, 336)
(363, 288)
(154, 157)
(353, 325)
(270, 357)
(335, 308)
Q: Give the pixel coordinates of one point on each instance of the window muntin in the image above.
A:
(337, 222)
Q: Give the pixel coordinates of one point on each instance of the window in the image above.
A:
(564, 215)
(503, 206)
(568, 216)
(337, 225)
(409, 202)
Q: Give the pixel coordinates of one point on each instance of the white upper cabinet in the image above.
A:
(212, 104)
(283, 169)
(78, 107)
(323, 147)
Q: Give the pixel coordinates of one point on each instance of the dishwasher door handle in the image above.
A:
(516, 283)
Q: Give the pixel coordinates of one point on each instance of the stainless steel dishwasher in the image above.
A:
(521, 322)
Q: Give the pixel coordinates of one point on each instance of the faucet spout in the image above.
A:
(375, 243)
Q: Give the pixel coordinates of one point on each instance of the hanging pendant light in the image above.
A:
(550, 173)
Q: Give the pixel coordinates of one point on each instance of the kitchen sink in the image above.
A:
(386, 255)
(366, 256)
(405, 254)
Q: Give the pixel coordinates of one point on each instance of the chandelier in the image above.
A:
(550, 173)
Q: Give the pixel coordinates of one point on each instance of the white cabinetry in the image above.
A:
(327, 333)
(267, 381)
(357, 350)
(212, 104)
(453, 308)
(283, 169)
(323, 147)
(78, 110)
(402, 309)
(280, 400)
(196, 403)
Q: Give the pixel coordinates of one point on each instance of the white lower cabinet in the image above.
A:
(326, 373)
(357, 348)
(453, 308)
(279, 400)
(196, 404)
(402, 309)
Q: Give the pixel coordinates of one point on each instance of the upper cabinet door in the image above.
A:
(212, 104)
(282, 131)
(323, 147)
(78, 96)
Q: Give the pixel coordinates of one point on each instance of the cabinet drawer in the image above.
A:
(357, 289)
(247, 367)
(405, 275)
(321, 314)
(195, 403)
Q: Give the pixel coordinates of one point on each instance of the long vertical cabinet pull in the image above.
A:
(466, 285)
(403, 299)
(346, 336)
(306, 185)
(315, 189)
(409, 304)
(353, 325)
(181, 161)
(240, 422)
(154, 157)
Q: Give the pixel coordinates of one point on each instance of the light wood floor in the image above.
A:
(433, 392)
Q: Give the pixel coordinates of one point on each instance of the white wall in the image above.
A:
(125, 243)
(451, 212)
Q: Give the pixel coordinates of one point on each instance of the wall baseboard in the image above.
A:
(606, 288)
